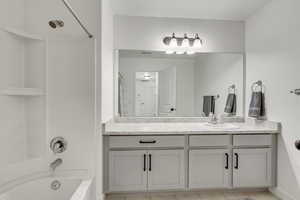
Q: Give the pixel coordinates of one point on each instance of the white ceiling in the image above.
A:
(201, 9)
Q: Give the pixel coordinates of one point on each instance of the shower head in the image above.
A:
(56, 23)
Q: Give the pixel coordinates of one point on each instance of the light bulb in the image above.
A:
(185, 42)
(190, 52)
(197, 42)
(169, 52)
(173, 42)
(179, 52)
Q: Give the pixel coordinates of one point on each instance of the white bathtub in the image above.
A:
(40, 189)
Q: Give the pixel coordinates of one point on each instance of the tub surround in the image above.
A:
(80, 174)
(165, 128)
(75, 185)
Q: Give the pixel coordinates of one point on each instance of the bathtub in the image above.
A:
(40, 189)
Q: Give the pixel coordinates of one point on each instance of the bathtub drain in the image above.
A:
(55, 185)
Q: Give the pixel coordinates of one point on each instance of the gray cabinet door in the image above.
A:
(252, 167)
(166, 169)
(209, 168)
(126, 171)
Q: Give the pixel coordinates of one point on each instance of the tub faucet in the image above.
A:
(56, 163)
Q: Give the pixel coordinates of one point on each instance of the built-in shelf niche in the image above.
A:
(23, 94)
(23, 34)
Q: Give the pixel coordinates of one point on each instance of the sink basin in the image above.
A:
(225, 126)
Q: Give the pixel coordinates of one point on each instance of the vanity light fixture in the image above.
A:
(185, 41)
(182, 45)
(170, 52)
(197, 42)
(179, 52)
(190, 52)
(173, 41)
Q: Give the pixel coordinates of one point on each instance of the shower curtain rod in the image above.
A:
(67, 4)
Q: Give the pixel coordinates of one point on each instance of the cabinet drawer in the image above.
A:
(145, 141)
(252, 140)
(209, 140)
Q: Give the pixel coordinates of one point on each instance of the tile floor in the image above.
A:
(207, 195)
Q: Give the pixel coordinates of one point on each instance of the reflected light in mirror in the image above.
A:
(179, 52)
(190, 52)
(147, 76)
(169, 52)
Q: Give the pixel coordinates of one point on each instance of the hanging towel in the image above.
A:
(257, 105)
(208, 105)
(230, 107)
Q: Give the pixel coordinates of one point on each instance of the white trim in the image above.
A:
(23, 34)
(23, 92)
(281, 194)
(82, 191)
(101, 196)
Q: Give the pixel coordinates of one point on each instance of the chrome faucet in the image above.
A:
(213, 118)
(56, 163)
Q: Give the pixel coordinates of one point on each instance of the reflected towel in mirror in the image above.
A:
(230, 107)
(208, 105)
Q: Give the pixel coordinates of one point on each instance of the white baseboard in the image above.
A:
(281, 194)
(101, 197)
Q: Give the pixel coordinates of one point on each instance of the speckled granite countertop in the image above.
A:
(171, 128)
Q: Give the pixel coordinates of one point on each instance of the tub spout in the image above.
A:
(56, 163)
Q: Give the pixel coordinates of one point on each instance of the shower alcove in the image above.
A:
(23, 66)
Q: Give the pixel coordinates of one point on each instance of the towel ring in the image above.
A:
(216, 96)
(258, 84)
(230, 88)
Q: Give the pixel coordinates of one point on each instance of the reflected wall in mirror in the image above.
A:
(154, 84)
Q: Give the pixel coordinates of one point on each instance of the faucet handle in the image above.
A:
(58, 145)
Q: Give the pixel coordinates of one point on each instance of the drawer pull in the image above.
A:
(144, 162)
(236, 161)
(147, 142)
(150, 162)
(227, 161)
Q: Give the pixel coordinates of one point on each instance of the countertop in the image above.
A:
(197, 128)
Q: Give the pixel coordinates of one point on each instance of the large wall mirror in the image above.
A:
(154, 84)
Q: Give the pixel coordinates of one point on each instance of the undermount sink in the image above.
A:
(226, 126)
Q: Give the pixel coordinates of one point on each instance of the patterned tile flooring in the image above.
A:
(207, 195)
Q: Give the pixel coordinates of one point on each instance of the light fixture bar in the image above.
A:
(185, 44)
(168, 39)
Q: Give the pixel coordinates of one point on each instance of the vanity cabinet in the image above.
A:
(166, 169)
(209, 168)
(187, 162)
(160, 165)
(146, 170)
(252, 167)
(237, 161)
(126, 170)
(253, 160)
